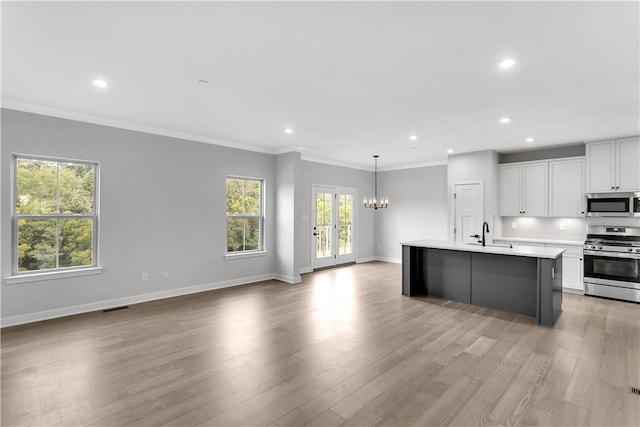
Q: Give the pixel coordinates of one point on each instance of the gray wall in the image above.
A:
(163, 208)
(418, 209)
(286, 165)
(476, 166)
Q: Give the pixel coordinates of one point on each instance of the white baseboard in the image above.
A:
(288, 279)
(134, 299)
(366, 259)
(305, 270)
(387, 259)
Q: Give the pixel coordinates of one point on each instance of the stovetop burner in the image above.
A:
(612, 242)
(618, 239)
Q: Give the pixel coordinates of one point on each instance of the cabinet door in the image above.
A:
(628, 171)
(600, 166)
(572, 272)
(510, 189)
(535, 189)
(566, 188)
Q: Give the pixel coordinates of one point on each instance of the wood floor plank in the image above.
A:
(343, 347)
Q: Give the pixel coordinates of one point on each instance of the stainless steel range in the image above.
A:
(612, 262)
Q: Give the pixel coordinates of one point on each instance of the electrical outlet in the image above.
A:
(165, 274)
(561, 226)
(514, 225)
(145, 277)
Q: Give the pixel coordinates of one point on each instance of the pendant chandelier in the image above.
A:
(375, 202)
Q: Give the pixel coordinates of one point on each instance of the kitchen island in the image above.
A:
(521, 279)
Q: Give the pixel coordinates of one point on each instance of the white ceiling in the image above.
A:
(352, 79)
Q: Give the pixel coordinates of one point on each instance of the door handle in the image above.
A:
(475, 235)
(315, 234)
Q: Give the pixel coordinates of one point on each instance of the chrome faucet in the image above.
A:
(485, 226)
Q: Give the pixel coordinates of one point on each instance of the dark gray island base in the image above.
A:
(513, 280)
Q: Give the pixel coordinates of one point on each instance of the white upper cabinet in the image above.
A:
(511, 190)
(536, 187)
(524, 189)
(566, 187)
(613, 165)
(628, 164)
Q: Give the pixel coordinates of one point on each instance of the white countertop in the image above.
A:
(520, 250)
(539, 241)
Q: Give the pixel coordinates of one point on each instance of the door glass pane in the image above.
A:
(345, 226)
(36, 244)
(323, 225)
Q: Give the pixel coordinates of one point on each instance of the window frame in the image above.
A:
(57, 272)
(253, 252)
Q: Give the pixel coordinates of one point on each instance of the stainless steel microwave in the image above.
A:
(613, 204)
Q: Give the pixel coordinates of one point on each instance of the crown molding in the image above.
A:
(104, 121)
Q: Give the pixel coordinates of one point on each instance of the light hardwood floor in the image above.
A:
(341, 348)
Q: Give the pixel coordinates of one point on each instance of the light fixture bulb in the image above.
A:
(505, 120)
(507, 63)
(450, 151)
(100, 83)
(413, 137)
(288, 131)
(529, 139)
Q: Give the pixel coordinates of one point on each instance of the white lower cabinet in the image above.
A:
(572, 273)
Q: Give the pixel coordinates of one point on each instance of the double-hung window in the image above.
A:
(245, 215)
(55, 215)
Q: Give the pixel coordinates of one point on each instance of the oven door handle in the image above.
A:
(628, 255)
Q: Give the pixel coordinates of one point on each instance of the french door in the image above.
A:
(333, 225)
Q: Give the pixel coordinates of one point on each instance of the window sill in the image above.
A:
(37, 277)
(241, 255)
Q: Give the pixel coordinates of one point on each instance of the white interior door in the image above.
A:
(333, 225)
(469, 212)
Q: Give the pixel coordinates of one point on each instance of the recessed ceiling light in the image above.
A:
(505, 120)
(288, 131)
(450, 151)
(529, 139)
(203, 82)
(507, 63)
(100, 83)
(413, 137)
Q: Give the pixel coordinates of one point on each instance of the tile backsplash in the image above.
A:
(553, 228)
(550, 228)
